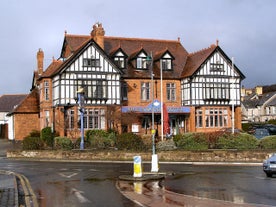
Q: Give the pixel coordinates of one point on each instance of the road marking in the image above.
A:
(67, 176)
(79, 196)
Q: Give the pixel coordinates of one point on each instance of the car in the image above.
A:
(260, 131)
(269, 165)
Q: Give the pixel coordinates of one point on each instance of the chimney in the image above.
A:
(40, 59)
(98, 34)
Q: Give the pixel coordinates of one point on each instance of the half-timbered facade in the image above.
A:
(124, 90)
(211, 86)
(90, 69)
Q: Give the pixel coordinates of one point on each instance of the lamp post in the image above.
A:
(149, 63)
(80, 94)
(154, 158)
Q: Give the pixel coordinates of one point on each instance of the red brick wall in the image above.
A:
(24, 124)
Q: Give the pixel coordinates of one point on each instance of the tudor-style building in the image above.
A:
(122, 87)
(210, 86)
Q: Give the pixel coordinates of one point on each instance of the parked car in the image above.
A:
(260, 131)
(269, 166)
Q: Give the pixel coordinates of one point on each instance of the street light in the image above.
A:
(149, 63)
(80, 94)
(154, 158)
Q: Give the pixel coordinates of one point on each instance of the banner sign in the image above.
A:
(156, 108)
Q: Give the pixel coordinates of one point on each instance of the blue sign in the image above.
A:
(156, 108)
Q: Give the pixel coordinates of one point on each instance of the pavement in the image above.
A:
(15, 189)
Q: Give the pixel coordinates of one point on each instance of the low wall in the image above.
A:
(173, 156)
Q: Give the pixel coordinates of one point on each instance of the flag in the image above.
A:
(166, 126)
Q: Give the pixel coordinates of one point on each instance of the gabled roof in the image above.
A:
(250, 103)
(30, 104)
(184, 64)
(131, 45)
(195, 60)
(8, 102)
(73, 56)
(73, 42)
(128, 46)
(272, 102)
(265, 97)
(52, 68)
(160, 54)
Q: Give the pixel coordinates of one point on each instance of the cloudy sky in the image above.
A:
(245, 29)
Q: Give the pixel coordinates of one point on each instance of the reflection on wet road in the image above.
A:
(154, 194)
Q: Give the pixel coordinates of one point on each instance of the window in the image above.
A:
(141, 61)
(46, 90)
(166, 64)
(199, 118)
(216, 67)
(216, 117)
(70, 114)
(94, 119)
(171, 91)
(91, 62)
(124, 90)
(145, 91)
(94, 89)
(120, 61)
(99, 90)
(217, 91)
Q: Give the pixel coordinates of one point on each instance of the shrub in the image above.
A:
(63, 143)
(130, 141)
(47, 136)
(268, 142)
(34, 133)
(100, 138)
(76, 145)
(177, 137)
(240, 141)
(192, 141)
(166, 145)
(32, 143)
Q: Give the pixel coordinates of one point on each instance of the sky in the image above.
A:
(245, 30)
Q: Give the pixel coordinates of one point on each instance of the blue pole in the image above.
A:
(80, 96)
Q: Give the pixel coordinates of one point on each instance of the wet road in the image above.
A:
(238, 184)
(94, 184)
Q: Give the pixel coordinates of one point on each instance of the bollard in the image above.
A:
(137, 166)
(154, 163)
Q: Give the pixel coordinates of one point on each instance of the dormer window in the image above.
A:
(166, 61)
(120, 59)
(141, 61)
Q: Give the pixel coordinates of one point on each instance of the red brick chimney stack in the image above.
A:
(98, 34)
(40, 59)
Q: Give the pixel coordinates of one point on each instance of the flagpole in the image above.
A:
(161, 98)
(233, 99)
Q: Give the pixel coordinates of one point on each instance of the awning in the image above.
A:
(155, 106)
